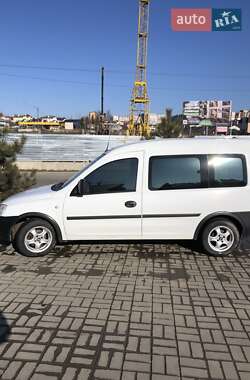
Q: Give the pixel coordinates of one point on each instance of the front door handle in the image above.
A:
(130, 204)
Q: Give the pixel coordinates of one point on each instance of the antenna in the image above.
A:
(107, 147)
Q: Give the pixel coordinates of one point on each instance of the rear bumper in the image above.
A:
(6, 222)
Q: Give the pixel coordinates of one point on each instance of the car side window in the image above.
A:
(114, 177)
(227, 170)
(176, 172)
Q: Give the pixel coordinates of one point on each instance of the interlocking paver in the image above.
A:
(125, 312)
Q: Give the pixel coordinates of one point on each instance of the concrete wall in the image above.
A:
(50, 166)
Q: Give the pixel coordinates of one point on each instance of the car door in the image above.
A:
(175, 196)
(113, 205)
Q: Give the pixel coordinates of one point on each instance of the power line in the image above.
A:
(247, 91)
(49, 68)
(203, 75)
(126, 72)
(48, 79)
(123, 85)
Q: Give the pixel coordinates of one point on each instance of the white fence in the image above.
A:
(41, 147)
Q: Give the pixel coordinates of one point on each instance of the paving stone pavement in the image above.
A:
(124, 312)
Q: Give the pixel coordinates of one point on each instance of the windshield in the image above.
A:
(62, 185)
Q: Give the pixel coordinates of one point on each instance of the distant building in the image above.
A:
(241, 120)
(154, 119)
(49, 119)
(238, 115)
(218, 111)
(115, 129)
(71, 124)
(21, 118)
(208, 109)
(194, 109)
(5, 121)
(120, 119)
(93, 117)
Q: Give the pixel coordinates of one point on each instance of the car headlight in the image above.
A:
(2, 208)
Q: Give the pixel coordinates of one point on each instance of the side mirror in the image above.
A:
(83, 187)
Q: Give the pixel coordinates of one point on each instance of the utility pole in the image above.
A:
(102, 116)
(102, 92)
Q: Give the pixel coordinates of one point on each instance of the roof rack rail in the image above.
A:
(223, 137)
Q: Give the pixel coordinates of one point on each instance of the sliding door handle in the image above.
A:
(130, 204)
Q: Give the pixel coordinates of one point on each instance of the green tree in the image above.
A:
(11, 179)
(170, 126)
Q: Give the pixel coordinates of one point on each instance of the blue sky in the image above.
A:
(88, 34)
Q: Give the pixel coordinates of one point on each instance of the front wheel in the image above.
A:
(35, 238)
(220, 237)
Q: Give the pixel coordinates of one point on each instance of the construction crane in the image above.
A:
(139, 111)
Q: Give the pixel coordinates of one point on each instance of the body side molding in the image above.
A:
(132, 216)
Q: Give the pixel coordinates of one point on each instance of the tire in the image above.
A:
(35, 238)
(220, 237)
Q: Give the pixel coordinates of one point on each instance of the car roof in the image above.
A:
(199, 145)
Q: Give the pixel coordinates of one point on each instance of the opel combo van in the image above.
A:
(156, 190)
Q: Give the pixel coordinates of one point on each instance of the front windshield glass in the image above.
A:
(62, 185)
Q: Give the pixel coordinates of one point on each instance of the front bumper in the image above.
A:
(6, 222)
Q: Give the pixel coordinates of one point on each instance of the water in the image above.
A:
(42, 147)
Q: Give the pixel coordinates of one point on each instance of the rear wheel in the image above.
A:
(35, 238)
(220, 237)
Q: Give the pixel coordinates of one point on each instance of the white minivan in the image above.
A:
(156, 190)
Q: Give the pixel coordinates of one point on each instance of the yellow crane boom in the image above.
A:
(139, 111)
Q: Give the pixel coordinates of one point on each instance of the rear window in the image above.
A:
(227, 171)
(197, 171)
(175, 172)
